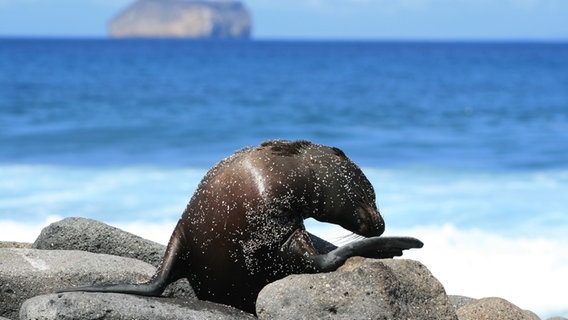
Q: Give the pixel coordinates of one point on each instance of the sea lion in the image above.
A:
(243, 228)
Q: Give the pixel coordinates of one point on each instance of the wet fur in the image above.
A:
(247, 216)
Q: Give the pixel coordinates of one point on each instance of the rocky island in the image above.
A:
(218, 19)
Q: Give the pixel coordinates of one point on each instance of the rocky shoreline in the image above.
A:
(78, 251)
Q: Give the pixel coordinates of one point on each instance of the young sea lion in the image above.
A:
(243, 228)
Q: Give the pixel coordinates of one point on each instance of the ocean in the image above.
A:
(466, 143)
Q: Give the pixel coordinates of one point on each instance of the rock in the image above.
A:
(97, 237)
(460, 301)
(360, 289)
(11, 244)
(25, 273)
(494, 308)
(183, 19)
(108, 306)
(532, 315)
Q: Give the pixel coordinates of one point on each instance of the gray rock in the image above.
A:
(494, 308)
(184, 19)
(531, 315)
(11, 244)
(25, 273)
(97, 237)
(108, 306)
(460, 301)
(360, 289)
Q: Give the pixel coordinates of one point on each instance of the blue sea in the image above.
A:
(466, 143)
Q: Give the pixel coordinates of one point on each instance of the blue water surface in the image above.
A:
(485, 106)
(473, 134)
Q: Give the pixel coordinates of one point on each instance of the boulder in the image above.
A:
(109, 306)
(360, 289)
(460, 301)
(493, 308)
(11, 244)
(25, 273)
(183, 19)
(97, 237)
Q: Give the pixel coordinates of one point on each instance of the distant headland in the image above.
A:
(227, 19)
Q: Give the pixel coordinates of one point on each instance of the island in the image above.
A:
(220, 19)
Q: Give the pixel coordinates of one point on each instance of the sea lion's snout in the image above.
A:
(371, 224)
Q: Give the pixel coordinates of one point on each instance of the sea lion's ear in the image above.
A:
(338, 152)
(286, 148)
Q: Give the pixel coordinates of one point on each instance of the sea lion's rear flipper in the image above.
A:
(375, 247)
(167, 272)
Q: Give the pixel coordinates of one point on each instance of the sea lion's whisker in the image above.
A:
(345, 239)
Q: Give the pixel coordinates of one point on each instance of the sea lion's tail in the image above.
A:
(149, 288)
(168, 271)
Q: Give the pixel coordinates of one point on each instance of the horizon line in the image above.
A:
(302, 39)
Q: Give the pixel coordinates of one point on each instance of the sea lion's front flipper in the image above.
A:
(295, 253)
(165, 274)
(375, 247)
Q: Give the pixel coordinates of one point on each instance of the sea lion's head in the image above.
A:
(346, 197)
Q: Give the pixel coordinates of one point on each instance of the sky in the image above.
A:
(321, 19)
